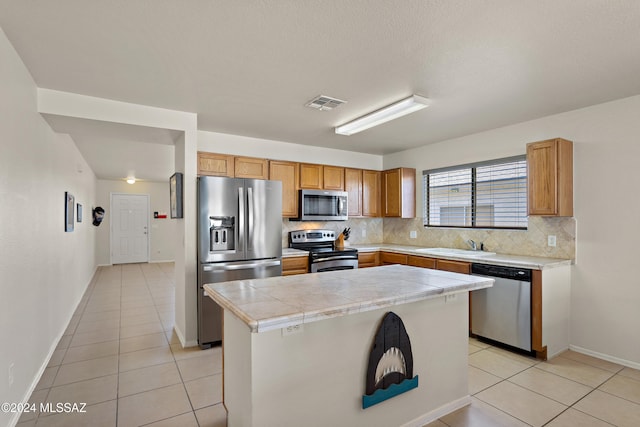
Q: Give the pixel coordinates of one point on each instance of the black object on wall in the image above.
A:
(98, 215)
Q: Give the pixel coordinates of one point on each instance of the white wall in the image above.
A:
(605, 290)
(43, 270)
(277, 150)
(88, 107)
(162, 232)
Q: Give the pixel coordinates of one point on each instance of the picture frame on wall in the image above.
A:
(79, 212)
(175, 195)
(69, 209)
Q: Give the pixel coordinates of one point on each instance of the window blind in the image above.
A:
(481, 195)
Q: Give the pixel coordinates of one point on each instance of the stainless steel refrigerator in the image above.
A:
(239, 237)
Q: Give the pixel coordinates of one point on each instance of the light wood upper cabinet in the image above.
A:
(371, 193)
(333, 178)
(288, 173)
(399, 193)
(353, 187)
(311, 176)
(215, 164)
(249, 167)
(550, 177)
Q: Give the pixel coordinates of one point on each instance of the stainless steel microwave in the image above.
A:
(323, 205)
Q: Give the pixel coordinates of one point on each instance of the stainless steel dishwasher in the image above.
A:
(503, 312)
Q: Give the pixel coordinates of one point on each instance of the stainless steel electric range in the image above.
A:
(323, 254)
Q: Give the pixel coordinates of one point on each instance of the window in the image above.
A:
(481, 195)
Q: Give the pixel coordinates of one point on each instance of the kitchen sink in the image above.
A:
(454, 252)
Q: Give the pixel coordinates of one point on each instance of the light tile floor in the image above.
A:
(120, 356)
(569, 390)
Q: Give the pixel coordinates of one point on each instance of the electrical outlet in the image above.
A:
(413, 234)
(10, 378)
(364, 232)
(451, 297)
(293, 329)
(551, 240)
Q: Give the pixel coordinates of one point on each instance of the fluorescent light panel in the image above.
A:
(383, 115)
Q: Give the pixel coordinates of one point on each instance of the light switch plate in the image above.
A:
(551, 240)
(413, 234)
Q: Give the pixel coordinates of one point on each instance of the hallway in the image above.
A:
(120, 357)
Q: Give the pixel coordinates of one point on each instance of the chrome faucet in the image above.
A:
(473, 245)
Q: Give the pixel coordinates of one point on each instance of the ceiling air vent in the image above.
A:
(324, 103)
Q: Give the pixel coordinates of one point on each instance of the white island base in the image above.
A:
(316, 376)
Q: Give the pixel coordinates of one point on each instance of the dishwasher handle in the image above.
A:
(513, 273)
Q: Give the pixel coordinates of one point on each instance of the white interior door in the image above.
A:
(129, 228)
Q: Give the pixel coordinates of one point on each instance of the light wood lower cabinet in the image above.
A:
(550, 307)
(420, 261)
(295, 265)
(550, 288)
(388, 258)
(368, 259)
(453, 266)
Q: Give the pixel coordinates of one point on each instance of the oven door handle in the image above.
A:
(334, 258)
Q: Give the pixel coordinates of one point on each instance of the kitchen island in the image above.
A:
(299, 350)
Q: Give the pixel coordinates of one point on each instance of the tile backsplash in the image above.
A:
(530, 242)
(363, 230)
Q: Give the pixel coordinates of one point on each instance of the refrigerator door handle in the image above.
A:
(231, 267)
(250, 219)
(241, 222)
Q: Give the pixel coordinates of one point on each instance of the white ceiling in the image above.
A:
(117, 151)
(248, 67)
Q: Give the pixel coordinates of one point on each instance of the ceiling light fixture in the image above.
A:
(131, 180)
(383, 115)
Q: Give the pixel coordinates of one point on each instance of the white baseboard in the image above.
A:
(16, 416)
(557, 353)
(439, 412)
(149, 262)
(608, 358)
(184, 343)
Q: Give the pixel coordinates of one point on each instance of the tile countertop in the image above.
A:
(290, 252)
(278, 302)
(535, 263)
